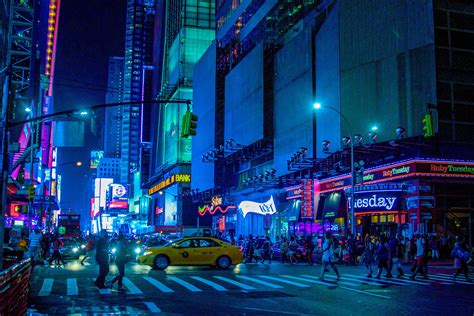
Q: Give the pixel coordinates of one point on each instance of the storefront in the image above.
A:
(416, 195)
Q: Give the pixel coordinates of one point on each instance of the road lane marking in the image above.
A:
(273, 286)
(283, 281)
(187, 285)
(72, 287)
(241, 285)
(131, 287)
(364, 281)
(46, 287)
(152, 307)
(210, 283)
(316, 280)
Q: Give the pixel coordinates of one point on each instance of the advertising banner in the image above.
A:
(376, 201)
(258, 208)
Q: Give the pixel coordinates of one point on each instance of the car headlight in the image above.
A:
(114, 250)
(83, 246)
(137, 250)
(147, 253)
(75, 249)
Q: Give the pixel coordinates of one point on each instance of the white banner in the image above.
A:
(258, 208)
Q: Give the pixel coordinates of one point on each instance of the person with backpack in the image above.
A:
(267, 247)
(328, 257)
(461, 256)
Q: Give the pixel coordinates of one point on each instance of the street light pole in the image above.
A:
(353, 224)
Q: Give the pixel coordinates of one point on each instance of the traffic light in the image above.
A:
(188, 124)
(428, 126)
(192, 124)
(31, 192)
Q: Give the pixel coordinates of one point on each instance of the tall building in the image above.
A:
(380, 71)
(113, 115)
(135, 40)
(187, 31)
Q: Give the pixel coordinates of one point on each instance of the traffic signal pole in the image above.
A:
(5, 126)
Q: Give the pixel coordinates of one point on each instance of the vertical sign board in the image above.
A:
(307, 199)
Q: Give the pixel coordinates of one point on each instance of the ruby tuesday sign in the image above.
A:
(376, 201)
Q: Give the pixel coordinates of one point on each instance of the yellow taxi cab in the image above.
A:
(192, 251)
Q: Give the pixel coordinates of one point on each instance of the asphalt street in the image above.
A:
(263, 289)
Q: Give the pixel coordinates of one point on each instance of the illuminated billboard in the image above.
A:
(100, 189)
(118, 191)
(96, 156)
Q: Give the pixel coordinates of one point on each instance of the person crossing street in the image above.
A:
(120, 261)
(102, 258)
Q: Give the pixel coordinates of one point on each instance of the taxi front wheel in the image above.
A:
(160, 262)
(223, 262)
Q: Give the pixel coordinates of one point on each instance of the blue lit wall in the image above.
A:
(244, 99)
(327, 83)
(387, 64)
(204, 102)
(293, 98)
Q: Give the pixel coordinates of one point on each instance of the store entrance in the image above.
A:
(376, 224)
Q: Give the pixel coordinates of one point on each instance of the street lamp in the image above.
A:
(318, 106)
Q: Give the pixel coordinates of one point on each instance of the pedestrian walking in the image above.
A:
(368, 256)
(328, 257)
(461, 256)
(284, 250)
(434, 248)
(45, 248)
(102, 258)
(34, 244)
(267, 247)
(90, 249)
(57, 244)
(309, 246)
(420, 257)
(383, 257)
(292, 247)
(120, 261)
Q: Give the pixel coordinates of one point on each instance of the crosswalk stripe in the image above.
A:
(419, 281)
(271, 285)
(316, 279)
(361, 281)
(72, 287)
(310, 280)
(152, 307)
(187, 285)
(104, 291)
(131, 287)
(377, 280)
(283, 281)
(210, 283)
(449, 278)
(158, 285)
(239, 284)
(46, 287)
(451, 275)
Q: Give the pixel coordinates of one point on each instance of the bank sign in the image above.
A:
(267, 208)
(376, 201)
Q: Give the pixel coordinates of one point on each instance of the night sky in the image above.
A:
(89, 34)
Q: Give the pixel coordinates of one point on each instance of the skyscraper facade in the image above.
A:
(113, 115)
(187, 32)
(135, 52)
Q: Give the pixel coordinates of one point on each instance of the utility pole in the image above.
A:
(4, 156)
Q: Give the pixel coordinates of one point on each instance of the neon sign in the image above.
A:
(212, 210)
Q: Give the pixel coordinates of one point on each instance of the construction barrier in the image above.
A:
(14, 288)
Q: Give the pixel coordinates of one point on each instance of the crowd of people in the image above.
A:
(378, 253)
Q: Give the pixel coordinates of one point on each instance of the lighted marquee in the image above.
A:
(182, 178)
(409, 168)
